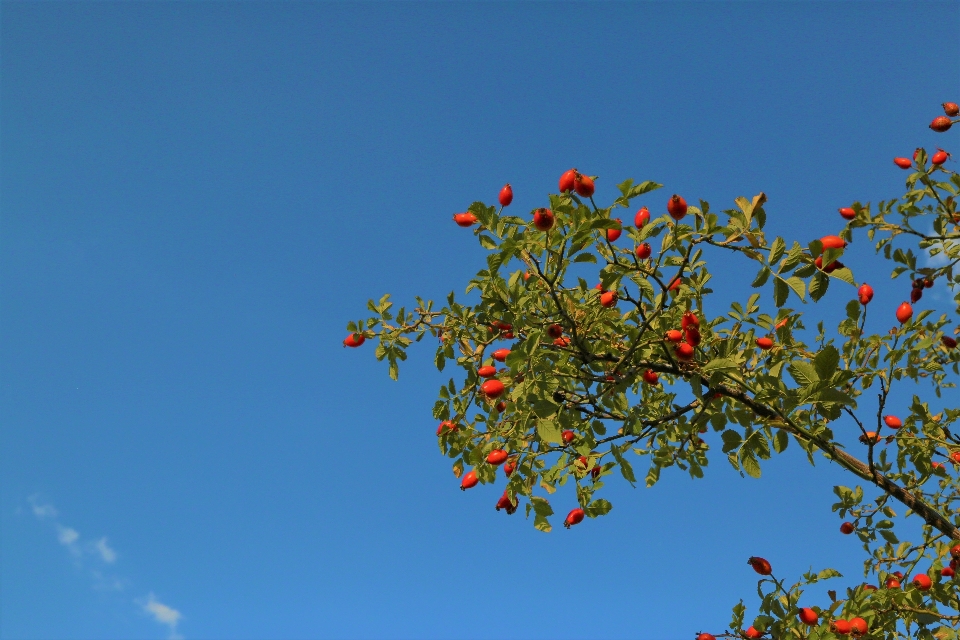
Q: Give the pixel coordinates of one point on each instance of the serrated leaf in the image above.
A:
(818, 285)
(803, 372)
(541, 506)
(720, 364)
(780, 441)
(597, 508)
(544, 408)
(777, 249)
(761, 278)
(541, 523)
(586, 257)
(548, 431)
(832, 395)
(826, 362)
(843, 274)
(798, 287)
(731, 440)
(487, 242)
(749, 464)
(625, 468)
(780, 292)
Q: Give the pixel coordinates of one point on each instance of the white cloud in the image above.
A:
(68, 537)
(109, 555)
(42, 510)
(163, 614)
(108, 583)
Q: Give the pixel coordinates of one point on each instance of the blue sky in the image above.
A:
(196, 198)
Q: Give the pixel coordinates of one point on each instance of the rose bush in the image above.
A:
(597, 377)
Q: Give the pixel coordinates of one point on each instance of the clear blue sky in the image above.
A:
(196, 197)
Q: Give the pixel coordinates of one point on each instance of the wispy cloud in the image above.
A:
(106, 553)
(42, 510)
(68, 537)
(163, 614)
(101, 549)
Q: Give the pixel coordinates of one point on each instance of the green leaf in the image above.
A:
(544, 408)
(541, 523)
(548, 431)
(750, 465)
(780, 441)
(826, 362)
(803, 372)
(818, 285)
(731, 440)
(394, 369)
(586, 257)
(761, 278)
(826, 574)
(541, 506)
(720, 364)
(597, 508)
(487, 242)
(625, 468)
(843, 274)
(797, 285)
(780, 292)
(777, 249)
(832, 395)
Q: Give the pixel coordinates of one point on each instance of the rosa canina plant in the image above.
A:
(563, 383)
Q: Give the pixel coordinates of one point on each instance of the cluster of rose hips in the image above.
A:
(943, 123)
(687, 338)
(855, 626)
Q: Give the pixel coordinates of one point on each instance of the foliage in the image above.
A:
(590, 380)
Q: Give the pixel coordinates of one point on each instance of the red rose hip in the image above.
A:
(903, 163)
(566, 180)
(904, 312)
(846, 528)
(858, 626)
(865, 294)
(614, 234)
(676, 207)
(941, 124)
(492, 388)
(644, 250)
(497, 456)
(760, 565)
(574, 517)
(469, 480)
(684, 351)
(808, 616)
(840, 627)
(543, 219)
(583, 185)
(847, 213)
(506, 195)
(354, 340)
(642, 217)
